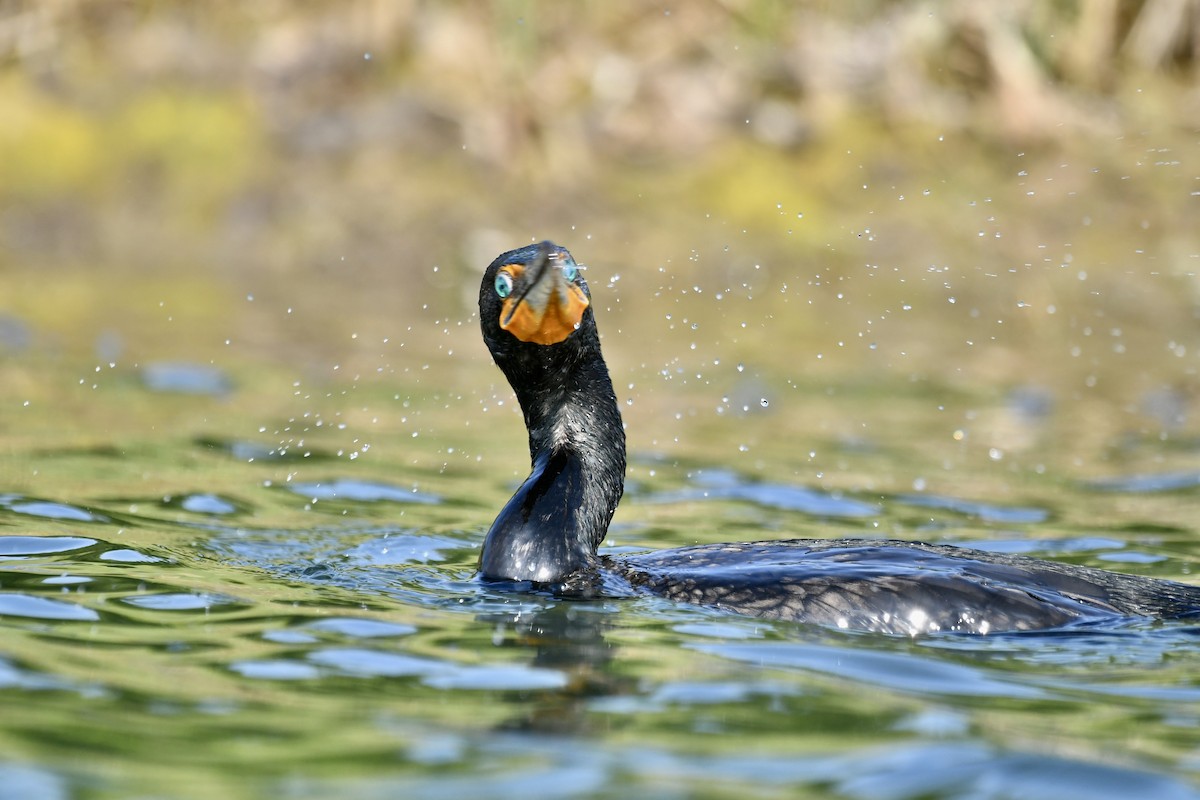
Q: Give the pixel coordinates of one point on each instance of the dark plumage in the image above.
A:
(537, 322)
(550, 529)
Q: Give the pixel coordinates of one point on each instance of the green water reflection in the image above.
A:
(243, 630)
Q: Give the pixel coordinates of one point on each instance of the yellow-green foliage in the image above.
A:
(195, 148)
(45, 147)
(189, 149)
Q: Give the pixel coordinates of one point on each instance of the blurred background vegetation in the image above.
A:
(972, 193)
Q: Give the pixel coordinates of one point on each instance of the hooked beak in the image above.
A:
(547, 304)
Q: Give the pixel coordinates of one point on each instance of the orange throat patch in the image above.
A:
(553, 322)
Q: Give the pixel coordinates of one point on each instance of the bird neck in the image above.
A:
(552, 526)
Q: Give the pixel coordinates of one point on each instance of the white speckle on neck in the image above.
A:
(570, 428)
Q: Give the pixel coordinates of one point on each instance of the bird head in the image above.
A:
(535, 294)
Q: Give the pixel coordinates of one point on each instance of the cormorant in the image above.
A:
(537, 320)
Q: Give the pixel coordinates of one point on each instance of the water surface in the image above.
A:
(310, 626)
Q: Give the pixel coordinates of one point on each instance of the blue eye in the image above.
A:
(504, 284)
(570, 271)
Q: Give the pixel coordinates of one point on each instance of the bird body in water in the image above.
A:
(536, 316)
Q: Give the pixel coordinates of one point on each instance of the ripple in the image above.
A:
(66, 580)
(31, 606)
(1139, 484)
(900, 672)
(968, 770)
(721, 484)
(498, 678)
(719, 630)
(358, 628)
(1074, 544)
(374, 663)
(1131, 557)
(288, 636)
(126, 556)
(178, 601)
(275, 670)
(29, 782)
(360, 492)
(402, 548)
(48, 509)
(207, 504)
(203, 503)
(14, 677)
(439, 674)
(18, 546)
(987, 512)
(692, 693)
